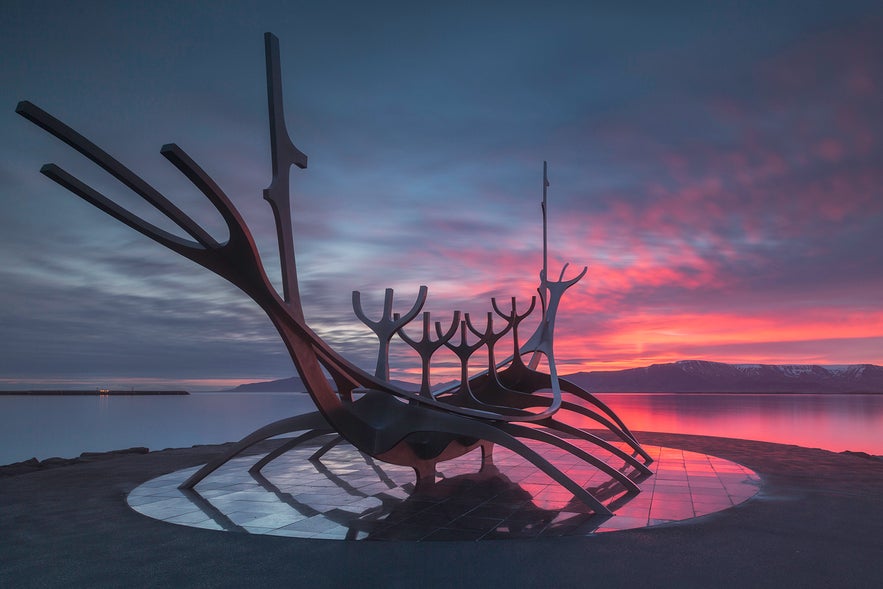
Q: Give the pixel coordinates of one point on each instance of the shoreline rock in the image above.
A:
(34, 465)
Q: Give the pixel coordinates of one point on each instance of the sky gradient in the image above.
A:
(717, 166)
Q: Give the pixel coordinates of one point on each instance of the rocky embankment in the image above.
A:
(34, 465)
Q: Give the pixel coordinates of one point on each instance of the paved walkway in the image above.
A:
(346, 496)
(816, 522)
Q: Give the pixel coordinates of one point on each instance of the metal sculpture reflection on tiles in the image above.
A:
(497, 406)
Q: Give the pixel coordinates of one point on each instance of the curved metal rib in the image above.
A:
(106, 162)
(576, 432)
(524, 398)
(99, 201)
(525, 379)
(579, 392)
(519, 376)
(285, 447)
(318, 454)
(307, 421)
(541, 436)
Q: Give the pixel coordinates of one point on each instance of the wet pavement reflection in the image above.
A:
(347, 496)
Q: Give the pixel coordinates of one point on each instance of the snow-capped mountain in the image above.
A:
(694, 376)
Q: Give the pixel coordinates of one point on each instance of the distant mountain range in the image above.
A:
(694, 376)
(699, 376)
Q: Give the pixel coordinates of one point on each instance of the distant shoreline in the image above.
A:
(93, 393)
(687, 377)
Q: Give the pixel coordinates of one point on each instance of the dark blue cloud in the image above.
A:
(705, 158)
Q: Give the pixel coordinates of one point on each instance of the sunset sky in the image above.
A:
(717, 166)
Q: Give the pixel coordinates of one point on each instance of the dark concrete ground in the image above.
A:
(816, 522)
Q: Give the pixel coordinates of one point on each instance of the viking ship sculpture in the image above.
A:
(507, 404)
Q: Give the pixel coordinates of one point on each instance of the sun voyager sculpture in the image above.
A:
(510, 403)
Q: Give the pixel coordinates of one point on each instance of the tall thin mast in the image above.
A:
(545, 230)
(284, 154)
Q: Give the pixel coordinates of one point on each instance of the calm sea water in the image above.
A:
(42, 427)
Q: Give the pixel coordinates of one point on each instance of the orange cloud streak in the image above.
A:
(646, 338)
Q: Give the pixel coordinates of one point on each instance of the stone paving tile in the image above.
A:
(242, 518)
(207, 525)
(277, 520)
(349, 497)
(189, 518)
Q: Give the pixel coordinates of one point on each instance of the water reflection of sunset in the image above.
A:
(832, 422)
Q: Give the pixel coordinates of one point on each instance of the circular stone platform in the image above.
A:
(347, 496)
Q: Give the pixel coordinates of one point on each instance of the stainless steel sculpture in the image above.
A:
(498, 406)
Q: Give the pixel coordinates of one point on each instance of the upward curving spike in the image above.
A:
(388, 324)
(515, 321)
(426, 346)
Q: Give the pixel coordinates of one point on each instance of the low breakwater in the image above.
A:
(96, 393)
